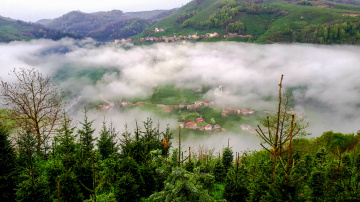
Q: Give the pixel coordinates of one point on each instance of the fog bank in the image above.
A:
(324, 79)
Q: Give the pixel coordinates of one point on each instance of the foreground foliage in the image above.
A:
(143, 166)
(323, 168)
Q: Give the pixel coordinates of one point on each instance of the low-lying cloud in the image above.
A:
(324, 79)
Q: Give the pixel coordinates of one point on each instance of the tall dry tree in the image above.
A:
(281, 128)
(34, 101)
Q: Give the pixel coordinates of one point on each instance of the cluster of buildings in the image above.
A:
(125, 41)
(197, 105)
(125, 104)
(110, 106)
(177, 38)
(156, 30)
(200, 124)
(194, 126)
(173, 39)
(106, 107)
(243, 112)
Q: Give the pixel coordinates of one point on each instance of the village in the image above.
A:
(179, 38)
(191, 122)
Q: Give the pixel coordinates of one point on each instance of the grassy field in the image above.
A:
(171, 95)
(204, 10)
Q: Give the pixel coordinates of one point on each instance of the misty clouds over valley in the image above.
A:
(325, 80)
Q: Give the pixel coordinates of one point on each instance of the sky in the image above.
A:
(34, 10)
(324, 79)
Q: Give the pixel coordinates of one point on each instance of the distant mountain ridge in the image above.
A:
(83, 23)
(17, 30)
(102, 26)
(259, 21)
(106, 25)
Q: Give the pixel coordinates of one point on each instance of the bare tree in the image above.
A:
(281, 128)
(33, 102)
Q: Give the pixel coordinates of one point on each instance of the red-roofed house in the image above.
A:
(198, 103)
(246, 112)
(208, 127)
(124, 104)
(217, 127)
(191, 125)
(200, 120)
(202, 128)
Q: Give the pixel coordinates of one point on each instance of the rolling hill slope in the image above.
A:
(16, 30)
(108, 25)
(266, 21)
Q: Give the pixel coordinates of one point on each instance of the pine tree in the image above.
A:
(219, 171)
(33, 185)
(227, 158)
(8, 166)
(129, 172)
(106, 143)
(86, 137)
(182, 185)
(67, 146)
(38, 191)
(236, 185)
(127, 189)
(27, 151)
(69, 187)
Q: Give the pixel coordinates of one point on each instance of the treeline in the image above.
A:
(347, 32)
(143, 165)
(76, 166)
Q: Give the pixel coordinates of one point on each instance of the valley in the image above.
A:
(200, 115)
(213, 100)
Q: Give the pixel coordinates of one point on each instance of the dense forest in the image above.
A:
(150, 164)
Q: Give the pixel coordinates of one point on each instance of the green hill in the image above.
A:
(105, 26)
(83, 23)
(266, 21)
(16, 30)
(260, 21)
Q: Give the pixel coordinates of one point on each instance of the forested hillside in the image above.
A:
(261, 21)
(16, 30)
(104, 26)
(324, 22)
